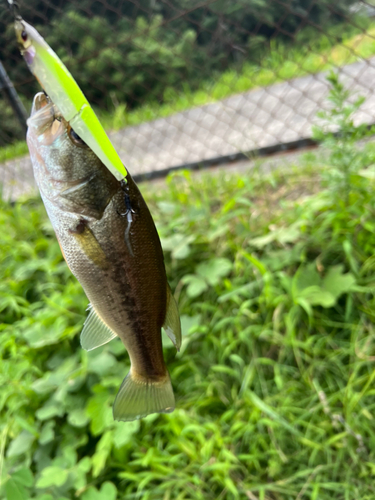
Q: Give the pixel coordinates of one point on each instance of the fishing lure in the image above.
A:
(64, 92)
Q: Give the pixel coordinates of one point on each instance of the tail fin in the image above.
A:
(139, 396)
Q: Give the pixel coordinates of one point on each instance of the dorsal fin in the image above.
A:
(95, 332)
(172, 324)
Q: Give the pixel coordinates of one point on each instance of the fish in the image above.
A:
(110, 243)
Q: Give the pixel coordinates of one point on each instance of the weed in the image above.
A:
(281, 62)
(274, 382)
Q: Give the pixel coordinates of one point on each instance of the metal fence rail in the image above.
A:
(181, 82)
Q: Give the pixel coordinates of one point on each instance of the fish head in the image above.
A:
(68, 173)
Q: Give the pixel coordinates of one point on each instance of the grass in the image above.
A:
(13, 151)
(275, 279)
(281, 62)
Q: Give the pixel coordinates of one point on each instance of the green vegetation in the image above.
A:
(279, 63)
(275, 279)
(14, 150)
(282, 62)
(153, 54)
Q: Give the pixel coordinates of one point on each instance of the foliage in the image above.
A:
(275, 282)
(338, 134)
(281, 63)
(14, 150)
(10, 129)
(141, 54)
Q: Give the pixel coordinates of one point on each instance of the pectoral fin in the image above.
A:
(95, 332)
(172, 324)
(88, 243)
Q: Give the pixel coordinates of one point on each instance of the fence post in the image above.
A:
(16, 103)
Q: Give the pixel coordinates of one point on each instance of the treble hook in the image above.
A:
(129, 211)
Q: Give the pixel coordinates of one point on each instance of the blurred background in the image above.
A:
(269, 250)
(190, 83)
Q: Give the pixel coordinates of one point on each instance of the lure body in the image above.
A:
(64, 92)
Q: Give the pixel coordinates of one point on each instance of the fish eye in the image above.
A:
(75, 137)
(24, 36)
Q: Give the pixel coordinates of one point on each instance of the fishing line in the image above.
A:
(14, 8)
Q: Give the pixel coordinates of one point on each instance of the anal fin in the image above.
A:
(172, 324)
(95, 332)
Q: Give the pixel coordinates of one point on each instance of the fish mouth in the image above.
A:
(42, 111)
(40, 101)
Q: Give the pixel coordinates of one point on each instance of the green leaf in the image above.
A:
(100, 363)
(108, 491)
(289, 234)
(99, 412)
(124, 433)
(85, 464)
(78, 418)
(52, 476)
(167, 207)
(317, 296)
(102, 451)
(262, 241)
(196, 285)
(178, 244)
(338, 283)
(27, 426)
(48, 411)
(15, 486)
(188, 322)
(283, 235)
(21, 444)
(214, 269)
(23, 476)
(39, 334)
(68, 458)
(15, 491)
(368, 173)
(309, 286)
(306, 276)
(47, 434)
(91, 494)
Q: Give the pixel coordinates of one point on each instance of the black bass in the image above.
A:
(110, 243)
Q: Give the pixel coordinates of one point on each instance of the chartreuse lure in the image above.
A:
(65, 93)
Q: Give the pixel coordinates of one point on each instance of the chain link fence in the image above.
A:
(184, 83)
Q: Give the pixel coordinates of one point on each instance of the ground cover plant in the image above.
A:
(275, 278)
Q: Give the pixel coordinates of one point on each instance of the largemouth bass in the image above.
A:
(110, 243)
